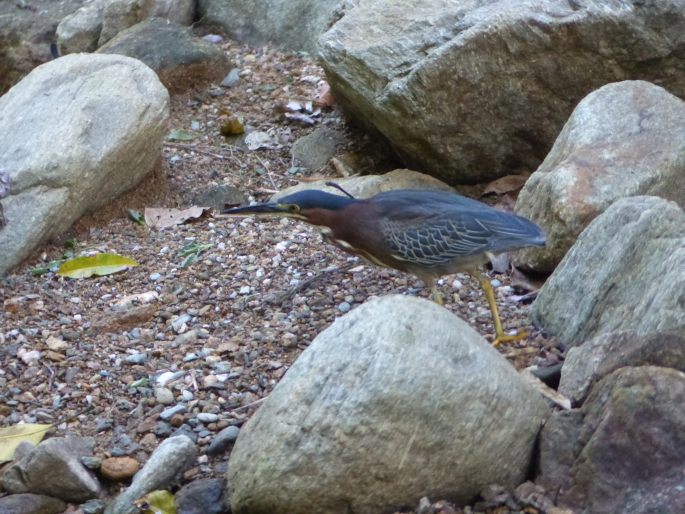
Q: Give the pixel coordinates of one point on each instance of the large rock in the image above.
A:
(397, 400)
(472, 90)
(26, 31)
(624, 139)
(625, 272)
(98, 21)
(366, 186)
(163, 469)
(28, 503)
(180, 60)
(54, 468)
(76, 133)
(593, 360)
(623, 451)
(295, 25)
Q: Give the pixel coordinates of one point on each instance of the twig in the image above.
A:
(251, 404)
(266, 168)
(280, 298)
(185, 146)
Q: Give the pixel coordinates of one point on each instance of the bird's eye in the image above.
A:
(293, 208)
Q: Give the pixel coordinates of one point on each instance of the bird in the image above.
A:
(426, 233)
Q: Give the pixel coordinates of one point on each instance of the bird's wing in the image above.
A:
(432, 242)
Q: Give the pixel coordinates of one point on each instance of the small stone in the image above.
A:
(187, 395)
(154, 277)
(137, 358)
(164, 396)
(208, 417)
(215, 39)
(245, 290)
(119, 468)
(456, 285)
(178, 323)
(167, 414)
(495, 283)
(232, 79)
(223, 440)
(177, 420)
(344, 307)
(162, 429)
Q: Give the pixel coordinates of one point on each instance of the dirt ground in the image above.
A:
(229, 304)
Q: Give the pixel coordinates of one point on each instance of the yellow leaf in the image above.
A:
(98, 264)
(10, 437)
(157, 502)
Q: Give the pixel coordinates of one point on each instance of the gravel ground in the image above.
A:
(104, 357)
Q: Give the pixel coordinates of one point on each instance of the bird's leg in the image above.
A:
(500, 336)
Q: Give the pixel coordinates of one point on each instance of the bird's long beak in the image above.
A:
(260, 208)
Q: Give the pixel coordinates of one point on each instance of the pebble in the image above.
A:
(166, 414)
(457, 285)
(179, 323)
(154, 277)
(136, 358)
(344, 307)
(187, 395)
(162, 429)
(164, 396)
(215, 39)
(495, 283)
(169, 376)
(223, 440)
(119, 468)
(208, 417)
(232, 79)
(245, 290)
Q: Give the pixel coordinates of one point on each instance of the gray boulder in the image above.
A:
(397, 400)
(76, 133)
(593, 360)
(26, 34)
(623, 451)
(295, 25)
(624, 139)
(625, 272)
(180, 59)
(473, 90)
(164, 467)
(28, 503)
(368, 185)
(98, 21)
(54, 468)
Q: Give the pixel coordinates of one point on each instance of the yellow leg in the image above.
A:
(500, 337)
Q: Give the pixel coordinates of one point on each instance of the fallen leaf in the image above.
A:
(508, 184)
(98, 265)
(180, 135)
(11, 437)
(162, 217)
(157, 502)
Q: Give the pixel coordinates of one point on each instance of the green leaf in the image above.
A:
(98, 264)
(136, 216)
(157, 502)
(180, 135)
(10, 437)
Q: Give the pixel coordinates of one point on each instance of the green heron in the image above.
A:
(426, 233)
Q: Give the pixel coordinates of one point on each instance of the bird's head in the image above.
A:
(310, 205)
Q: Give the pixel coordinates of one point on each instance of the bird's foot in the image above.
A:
(505, 339)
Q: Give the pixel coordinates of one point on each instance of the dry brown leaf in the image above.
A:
(162, 217)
